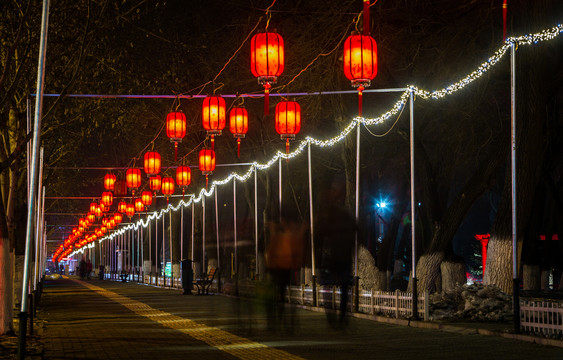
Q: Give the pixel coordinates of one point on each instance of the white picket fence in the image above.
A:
(541, 317)
(396, 304)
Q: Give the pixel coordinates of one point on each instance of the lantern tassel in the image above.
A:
(183, 192)
(360, 100)
(212, 142)
(287, 149)
(238, 148)
(206, 181)
(267, 88)
(175, 151)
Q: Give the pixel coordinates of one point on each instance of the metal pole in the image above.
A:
(156, 251)
(163, 252)
(142, 247)
(413, 213)
(150, 254)
(182, 233)
(193, 231)
(217, 232)
(280, 188)
(203, 272)
(170, 245)
(235, 223)
(311, 219)
(33, 169)
(256, 222)
(38, 219)
(356, 278)
(515, 282)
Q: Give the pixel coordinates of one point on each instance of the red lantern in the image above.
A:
(155, 183)
(167, 186)
(183, 177)
(120, 188)
(130, 211)
(122, 206)
(111, 223)
(206, 163)
(107, 198)
(267, 61)
(98, 211)
(176, 129)
(104, 208)
(118, 217)
(133, 178)
(109, 181)
(238, 124)
(146, 198)
(288, 120)
(91, 217)
(103, 229)
(360, 63)
(105, 221)
(213, 116)
(152, 163)
(93, 206)
(99, 232)
(139, 206)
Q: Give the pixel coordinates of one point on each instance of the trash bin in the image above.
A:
(187, 276)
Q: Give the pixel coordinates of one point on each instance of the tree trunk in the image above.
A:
(6, 278)
(371, 278)
(531, 277)
(453, 275)
(428, 272)
(499, 263)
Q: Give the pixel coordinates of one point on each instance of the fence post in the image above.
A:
(302, 294)
(397, 303)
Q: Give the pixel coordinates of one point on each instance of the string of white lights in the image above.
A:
(530, 39)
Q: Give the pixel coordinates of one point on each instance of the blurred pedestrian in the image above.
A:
(82, 268)
(335, 237)
(88, 269)
(284, 255)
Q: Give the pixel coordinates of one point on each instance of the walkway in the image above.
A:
(112, 320)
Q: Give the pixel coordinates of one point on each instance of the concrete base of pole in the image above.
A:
(516, 304)
(22, 335)
(414, 298)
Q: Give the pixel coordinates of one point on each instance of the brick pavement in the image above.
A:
(112, 320)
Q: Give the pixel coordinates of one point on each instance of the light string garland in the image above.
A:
(530, 39)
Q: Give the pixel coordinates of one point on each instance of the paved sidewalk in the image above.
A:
(112, 320)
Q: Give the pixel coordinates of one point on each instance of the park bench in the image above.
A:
(205, 282)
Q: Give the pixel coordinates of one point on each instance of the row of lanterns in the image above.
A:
(267, 59)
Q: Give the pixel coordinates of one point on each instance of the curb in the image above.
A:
(445, 327)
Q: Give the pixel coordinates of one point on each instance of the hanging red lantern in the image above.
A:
(139, 206)
(111, 223)
(98, 211)
(206, 163)
(122, 206)
(155, 183)
(146, 198)
(238, 124)
(360, 63)
(93, 206)
(267, 61)
(288, 121)
(105, 221)
(99, 232)
(176, 129)
(152, 163)
(107, 198)
(118, 217)
(120, 188)
(167, 186)
(109, 181)
(183, 177)
(104, 230)
(213, 116)
(91, 217)
(104, 208)
(130, 211)
(133, 178)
